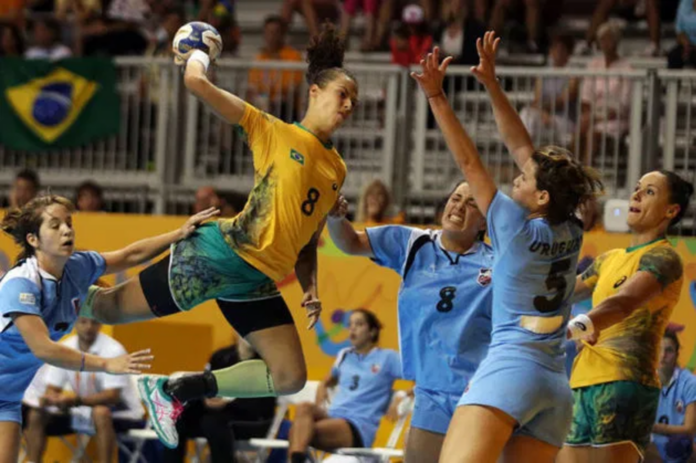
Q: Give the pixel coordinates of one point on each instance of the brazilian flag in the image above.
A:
(61, 104)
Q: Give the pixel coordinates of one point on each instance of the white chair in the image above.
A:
(307, 394)
(382, 454)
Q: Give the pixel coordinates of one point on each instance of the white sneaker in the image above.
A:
(162, 409)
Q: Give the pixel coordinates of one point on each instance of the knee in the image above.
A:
(290, 381)
(101, 415)
(304, 409)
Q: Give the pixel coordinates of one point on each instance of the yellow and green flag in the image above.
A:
(62, 104)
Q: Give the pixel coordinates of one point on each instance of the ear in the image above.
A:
(33, 240)
(313, 90)
(672, 211)
(543, 198)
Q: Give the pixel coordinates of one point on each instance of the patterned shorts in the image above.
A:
(613, 413)
(204, 267)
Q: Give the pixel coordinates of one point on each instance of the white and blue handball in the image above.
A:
(196, 36)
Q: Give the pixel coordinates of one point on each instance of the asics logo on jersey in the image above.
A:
(620, 281)
(297, 156)
(581, 326)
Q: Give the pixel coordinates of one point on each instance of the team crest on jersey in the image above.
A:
(375, 368)
(297, 156)
(485, 277)
(679, 406)
(620, 281)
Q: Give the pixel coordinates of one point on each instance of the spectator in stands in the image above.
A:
(314, 11)
(374, 207)
(684, 53)
(457, 36)
(550, 119)
(605, 101)
(221, 14)
(11, 41)
(47, 41)
(83, 10)
(24, 188)
(108, 404)
(675, 424)
(161, 43)
(222, 420)
(207, 197)
(89, 197)
(364, 374)
(532, 19)
(119, 32)
(411, 40)
(370, 9)
(12, 12)
(629, 9)
(271, 90)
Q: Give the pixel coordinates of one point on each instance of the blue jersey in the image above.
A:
(535, 277)
(674, 398)
(26, 289)
(444, 305)
(364, 388)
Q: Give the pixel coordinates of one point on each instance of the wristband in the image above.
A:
(202, 57)
(580, 326)
(82, 364)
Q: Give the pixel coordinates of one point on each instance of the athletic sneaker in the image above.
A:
(162, 409)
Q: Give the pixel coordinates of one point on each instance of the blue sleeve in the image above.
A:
(20, 295)
(690, 390)
(505, 220)
(394, 361)
(86, 268)
(679, 24)
(389, 244)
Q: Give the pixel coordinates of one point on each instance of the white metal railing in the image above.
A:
(170, 144)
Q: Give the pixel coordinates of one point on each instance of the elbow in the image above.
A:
(195, 82)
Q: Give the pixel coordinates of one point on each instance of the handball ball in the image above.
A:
(197, 36)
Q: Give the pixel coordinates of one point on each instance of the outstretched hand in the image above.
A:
(196, 220)
(432, 73)
(313, 306)
(129, 364)
(340, 209)
(487, 49)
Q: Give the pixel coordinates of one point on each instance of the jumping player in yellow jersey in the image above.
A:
(298, 177)
(614, 379)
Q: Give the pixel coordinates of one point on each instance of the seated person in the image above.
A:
(222, 420)
(551, 116)
(411, 39)
(99, 403)
(675, 426)
(374, 207)
(684, 53)
(47, 42)
(364, 374)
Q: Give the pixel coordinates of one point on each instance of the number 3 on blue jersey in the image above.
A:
(554, 282)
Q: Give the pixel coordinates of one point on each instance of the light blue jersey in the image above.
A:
(26, 289)
(523, 374)
(674, 398)
(364, 388)
(444, 305)
(535, 276)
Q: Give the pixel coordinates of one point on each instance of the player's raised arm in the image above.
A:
(510, 126)
(196, 45)
(344, 236)
(458, 141)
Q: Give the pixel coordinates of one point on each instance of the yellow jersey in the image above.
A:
(297, 180)
(629, 350)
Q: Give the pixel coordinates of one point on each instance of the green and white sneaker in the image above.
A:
(162, 409)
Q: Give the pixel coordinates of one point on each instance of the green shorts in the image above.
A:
(203, 267)
(613, 413)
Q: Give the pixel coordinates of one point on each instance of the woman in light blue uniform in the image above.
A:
(518, 405)
(444, 307)
(40, 297)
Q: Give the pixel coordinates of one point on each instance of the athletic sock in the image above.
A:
(86, 309)
(190, 387)
(298, 457)
(250, 378)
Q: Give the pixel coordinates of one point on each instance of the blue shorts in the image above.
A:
(539, 399)
(433, 410)
(11, 411)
